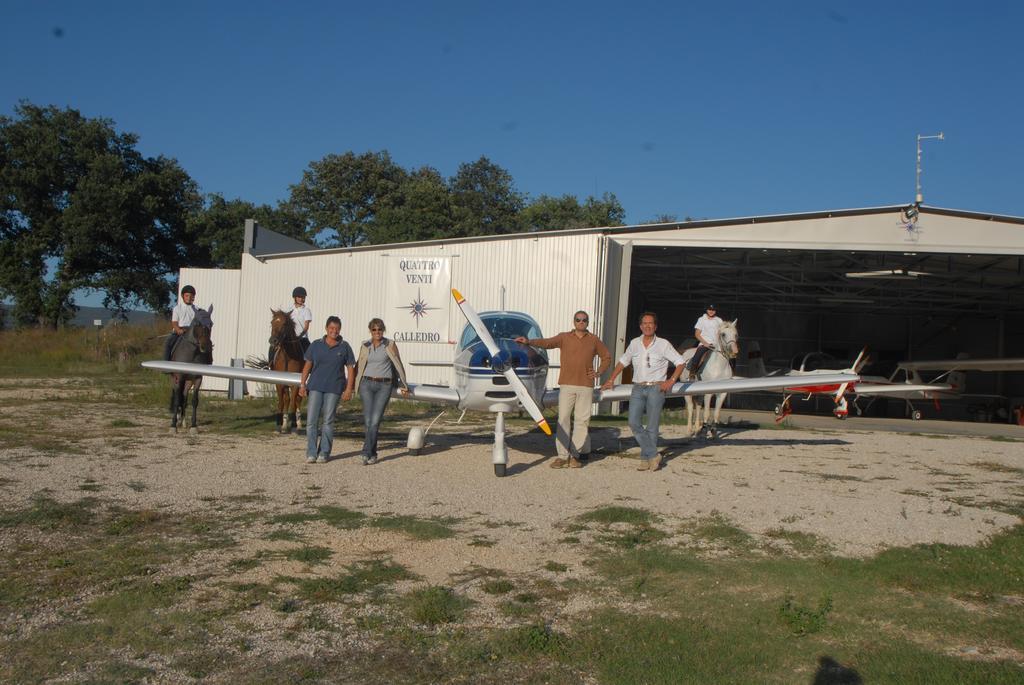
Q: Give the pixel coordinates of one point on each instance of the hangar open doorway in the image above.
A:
(906, 302)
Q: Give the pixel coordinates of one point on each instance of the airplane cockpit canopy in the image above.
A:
(502, 325)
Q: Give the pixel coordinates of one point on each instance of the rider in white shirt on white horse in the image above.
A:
(706, 332)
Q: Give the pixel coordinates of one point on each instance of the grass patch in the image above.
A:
(285, 535)
(716, 530)
(339, 517)
(415, 527)
(996, 467)
(498, 587)
(359, 577)
(536, 639)
(47, 513)
(436, 605)
(555, 567)
(802, 620)
(618, 514)
(309, 555)
(804, 544)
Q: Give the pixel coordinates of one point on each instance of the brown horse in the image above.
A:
(194, 347)
(285, 355)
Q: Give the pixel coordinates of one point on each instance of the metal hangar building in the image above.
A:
(908, 282)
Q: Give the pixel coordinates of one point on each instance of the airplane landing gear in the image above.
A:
(916, 415)
(499, 453)
(415, 442)
(842, 409)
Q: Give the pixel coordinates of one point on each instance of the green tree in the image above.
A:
(484, 200)
(217, 230)
(420, 209)
(548, 213)
(82, 208)
(339, 196)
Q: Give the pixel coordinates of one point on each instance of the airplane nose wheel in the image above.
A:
(499, 453)
(916, 415)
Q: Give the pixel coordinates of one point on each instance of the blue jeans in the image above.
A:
(320, 410)
(375, 396)
(651, 399)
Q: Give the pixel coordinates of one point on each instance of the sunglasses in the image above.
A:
(579, 320)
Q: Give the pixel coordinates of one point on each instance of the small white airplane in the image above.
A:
(494, 373)
(905, 383)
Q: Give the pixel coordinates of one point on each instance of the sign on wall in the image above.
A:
(419, 297)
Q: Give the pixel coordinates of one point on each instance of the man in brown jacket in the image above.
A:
(576, 387)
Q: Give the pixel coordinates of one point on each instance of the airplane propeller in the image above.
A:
(500, 363)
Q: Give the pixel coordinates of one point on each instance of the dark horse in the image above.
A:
(285, 355)
(193, 347)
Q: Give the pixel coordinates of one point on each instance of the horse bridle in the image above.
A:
(721, 342)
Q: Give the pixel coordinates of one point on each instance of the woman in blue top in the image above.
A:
(326, 377)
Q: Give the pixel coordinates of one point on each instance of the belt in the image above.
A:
(379, 380)
(649, 383)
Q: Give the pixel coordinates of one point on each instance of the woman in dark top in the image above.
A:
(378, 370)
(324, 381)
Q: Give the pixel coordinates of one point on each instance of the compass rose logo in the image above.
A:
(418, 308)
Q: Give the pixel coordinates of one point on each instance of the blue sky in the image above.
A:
(706, 110)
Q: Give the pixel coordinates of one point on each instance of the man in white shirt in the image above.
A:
(649, 356)
(181, 318)
(706, 332)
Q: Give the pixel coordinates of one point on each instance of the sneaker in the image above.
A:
(310, 459)
(372, 460)
(644, 465)
(322, 459)
(655, 463)
(366, 460)
(575, 463)
(559, 463)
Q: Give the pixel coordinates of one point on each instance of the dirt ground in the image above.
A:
(857, 491)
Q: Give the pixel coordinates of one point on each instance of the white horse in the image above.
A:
(716, 368)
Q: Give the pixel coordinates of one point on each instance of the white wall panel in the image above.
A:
(549, 276)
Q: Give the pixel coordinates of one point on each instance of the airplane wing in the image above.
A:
(900, 388)
(417, 391)
(240, 373)
(622, 392)
(965, 365)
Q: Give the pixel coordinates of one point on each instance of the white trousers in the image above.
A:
(574, 401)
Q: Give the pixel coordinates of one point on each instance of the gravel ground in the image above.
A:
(859, 491)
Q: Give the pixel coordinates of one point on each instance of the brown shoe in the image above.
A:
(575, 463)
(644, 465)
(559, 463)
(655, 463)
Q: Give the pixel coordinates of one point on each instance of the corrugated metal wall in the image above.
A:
(217, 287)
(549, 276)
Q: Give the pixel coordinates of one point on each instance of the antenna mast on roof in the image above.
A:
(918, 197)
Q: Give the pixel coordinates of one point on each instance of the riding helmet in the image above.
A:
(299, 292)
(188, 289)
